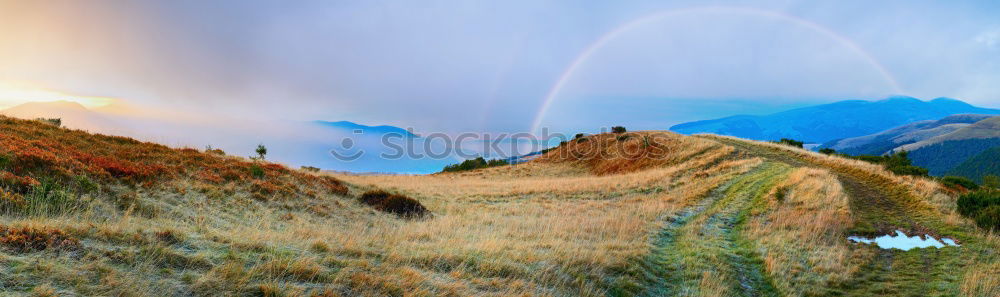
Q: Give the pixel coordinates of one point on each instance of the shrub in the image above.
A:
(790, 142)
(578, 136)
(393, 203)
(30, 239)
(827, 151)
(5, 161)
(18, 184)
(256, 171)
(618, 129)
(473, 164)
(969, 204)
(51, 121)
(991, 181)
(953, 181)
(310, 169)
(898, 163)
(909, 170)
(989, 218)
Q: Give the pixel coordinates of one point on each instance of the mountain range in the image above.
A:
(364, 129)
(963, 145)
(888, 140)
(838, 120)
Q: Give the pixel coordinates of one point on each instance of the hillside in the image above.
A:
(885, 141)
(823, 123)
(986, 129)
(647, 213)
(978, 166)
(70, 112)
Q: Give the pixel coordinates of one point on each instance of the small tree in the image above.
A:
(827, 151)
(617, 129)
(578, 136)
(261, 151)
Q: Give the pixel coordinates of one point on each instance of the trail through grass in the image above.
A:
(700, 251)
(878, 208)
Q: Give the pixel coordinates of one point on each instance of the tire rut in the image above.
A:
(706, 231)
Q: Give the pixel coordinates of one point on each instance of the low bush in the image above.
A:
(958, 181)
(989, 218)
(969, 204)
(393, 203)
(30, 239)
(473, 164)
(909, 170)
(991, 181)
(256, 171)
(790, 142)
(51, 121)
(827, 151)
(898, 163)
(983, 206)
(618, 129)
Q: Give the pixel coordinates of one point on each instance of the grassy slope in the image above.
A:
(645, 214)
(880, 202)
(983, 164)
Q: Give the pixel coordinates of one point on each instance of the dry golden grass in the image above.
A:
(629, 152)
(929, 194)
(550, 228)
(565, 225)
(800, 228)
(983, 278)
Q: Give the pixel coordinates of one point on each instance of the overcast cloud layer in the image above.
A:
(489, 65)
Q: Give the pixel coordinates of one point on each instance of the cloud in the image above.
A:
(990, 39)
(484, 65)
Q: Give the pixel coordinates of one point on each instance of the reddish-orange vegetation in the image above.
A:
(32, 149)
(613, 153)
(19, 184)
(30, 239)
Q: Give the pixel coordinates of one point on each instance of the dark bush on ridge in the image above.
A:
(473, 164)
(618, 129)
(898, 163)
(982, 206)
(393, 203)
(827, 151)
(578, 136)
(952, 181)
(791, 142)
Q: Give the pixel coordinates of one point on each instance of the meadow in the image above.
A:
(621, 214)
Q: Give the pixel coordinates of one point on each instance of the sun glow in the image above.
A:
(15, 93)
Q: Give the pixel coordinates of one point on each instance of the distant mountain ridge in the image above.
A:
(826, 122)
(885, 141)
(372, 130)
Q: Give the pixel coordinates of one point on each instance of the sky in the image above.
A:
(498, 66)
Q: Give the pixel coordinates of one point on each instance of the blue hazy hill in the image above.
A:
(370, 130)
(826, 122)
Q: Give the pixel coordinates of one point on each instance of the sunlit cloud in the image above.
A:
(15, 93)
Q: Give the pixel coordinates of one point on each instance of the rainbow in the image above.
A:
(644, 20)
